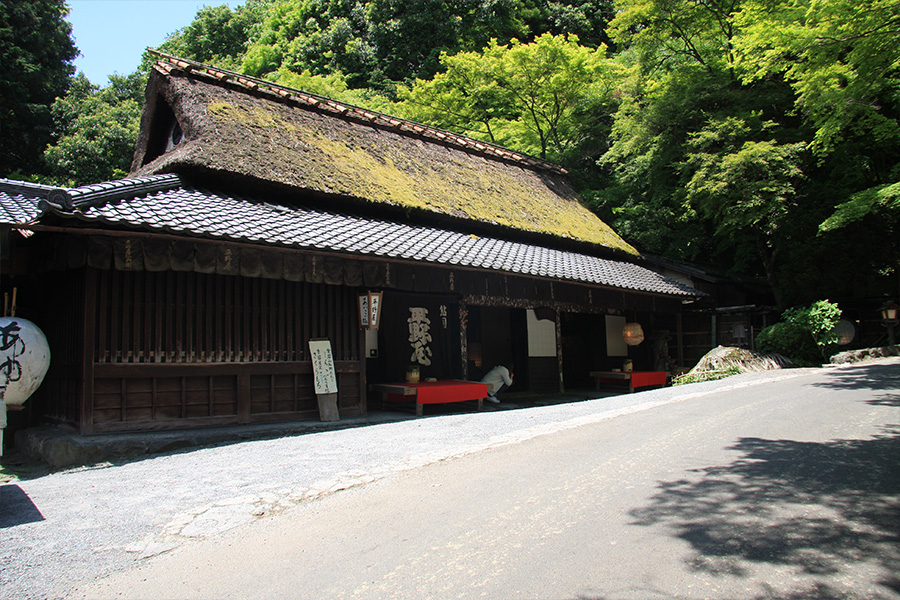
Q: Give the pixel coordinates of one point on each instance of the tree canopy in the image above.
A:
(36, 54)
(96, 129)
(521, 95)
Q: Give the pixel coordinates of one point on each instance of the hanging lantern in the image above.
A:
(844, 331)
(370, 310)
(633, 334)
(25, 356)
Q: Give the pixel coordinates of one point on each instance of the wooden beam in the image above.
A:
(89, 297)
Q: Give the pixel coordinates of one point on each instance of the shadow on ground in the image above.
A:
(16, 508)
(882, 379)
(818, 507)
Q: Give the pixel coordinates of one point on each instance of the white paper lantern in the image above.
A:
(845, 331)
(24, 358)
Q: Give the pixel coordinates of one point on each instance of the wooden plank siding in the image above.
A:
(181, 349)
(140, 349)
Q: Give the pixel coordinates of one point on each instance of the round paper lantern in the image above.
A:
(633, 334)
(24, 358)
(845, 331)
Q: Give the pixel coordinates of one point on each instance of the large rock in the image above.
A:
(853, 356)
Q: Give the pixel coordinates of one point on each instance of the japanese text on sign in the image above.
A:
(419, 335)
(324, 377)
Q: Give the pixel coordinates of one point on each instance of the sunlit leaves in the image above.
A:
(840, 56)
(521, 95)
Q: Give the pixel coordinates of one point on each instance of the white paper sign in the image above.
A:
(615, 344)
(324, 377)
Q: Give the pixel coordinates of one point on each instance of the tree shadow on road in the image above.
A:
(817, 507)
(882, 379)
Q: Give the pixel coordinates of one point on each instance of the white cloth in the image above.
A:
(495, 378)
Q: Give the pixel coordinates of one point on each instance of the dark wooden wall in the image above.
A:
(182, 349)
(162, 344)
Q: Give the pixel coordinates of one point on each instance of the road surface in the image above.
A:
(787, 489)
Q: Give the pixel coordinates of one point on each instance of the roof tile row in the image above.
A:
(201, 213)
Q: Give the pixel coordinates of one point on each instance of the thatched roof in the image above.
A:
(206, 119)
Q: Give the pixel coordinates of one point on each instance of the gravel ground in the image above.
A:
(80, 524)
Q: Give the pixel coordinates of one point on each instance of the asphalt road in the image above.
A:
(784, 489)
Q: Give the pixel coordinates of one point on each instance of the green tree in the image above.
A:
(381, 43)
(841, 57)
(842, 60)
(679, 58)
(747, 187)
(717, 164)
(36, 54)
(524, 96)
(667, 34)
(217, 35)
(97, 129)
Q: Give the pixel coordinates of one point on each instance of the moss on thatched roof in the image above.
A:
(234, 125)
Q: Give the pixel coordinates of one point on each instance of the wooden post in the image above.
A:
(679, 338)
(363, 363)
(559, 353)
(89, 310)
(463, 338)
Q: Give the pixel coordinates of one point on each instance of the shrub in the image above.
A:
(804, 334)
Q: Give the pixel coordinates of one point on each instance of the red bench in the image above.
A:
(633, 379)
(432, 392)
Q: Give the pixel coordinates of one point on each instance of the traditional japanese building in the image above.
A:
(255, 217)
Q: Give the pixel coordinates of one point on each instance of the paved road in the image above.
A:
(748, 488)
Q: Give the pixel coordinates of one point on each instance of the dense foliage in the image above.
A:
(804, 334)
(96, 130)
(760, 136)
(36, 56)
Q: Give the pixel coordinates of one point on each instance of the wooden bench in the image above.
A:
(632, 379)
(432, 392)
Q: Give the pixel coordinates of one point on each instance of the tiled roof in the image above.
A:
(201, 213)
(110, 191)
(19, 201)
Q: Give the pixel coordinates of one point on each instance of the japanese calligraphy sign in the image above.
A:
(370, 310)
(324, 376)
(419, 335)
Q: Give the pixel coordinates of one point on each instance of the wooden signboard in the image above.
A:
(324, 379)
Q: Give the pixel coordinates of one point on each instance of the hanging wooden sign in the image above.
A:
(370, 310)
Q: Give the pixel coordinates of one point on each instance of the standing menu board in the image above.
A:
(324, 379)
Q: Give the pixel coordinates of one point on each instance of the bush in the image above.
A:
(804, 334)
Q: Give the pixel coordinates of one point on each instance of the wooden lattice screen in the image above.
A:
(185, 317)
